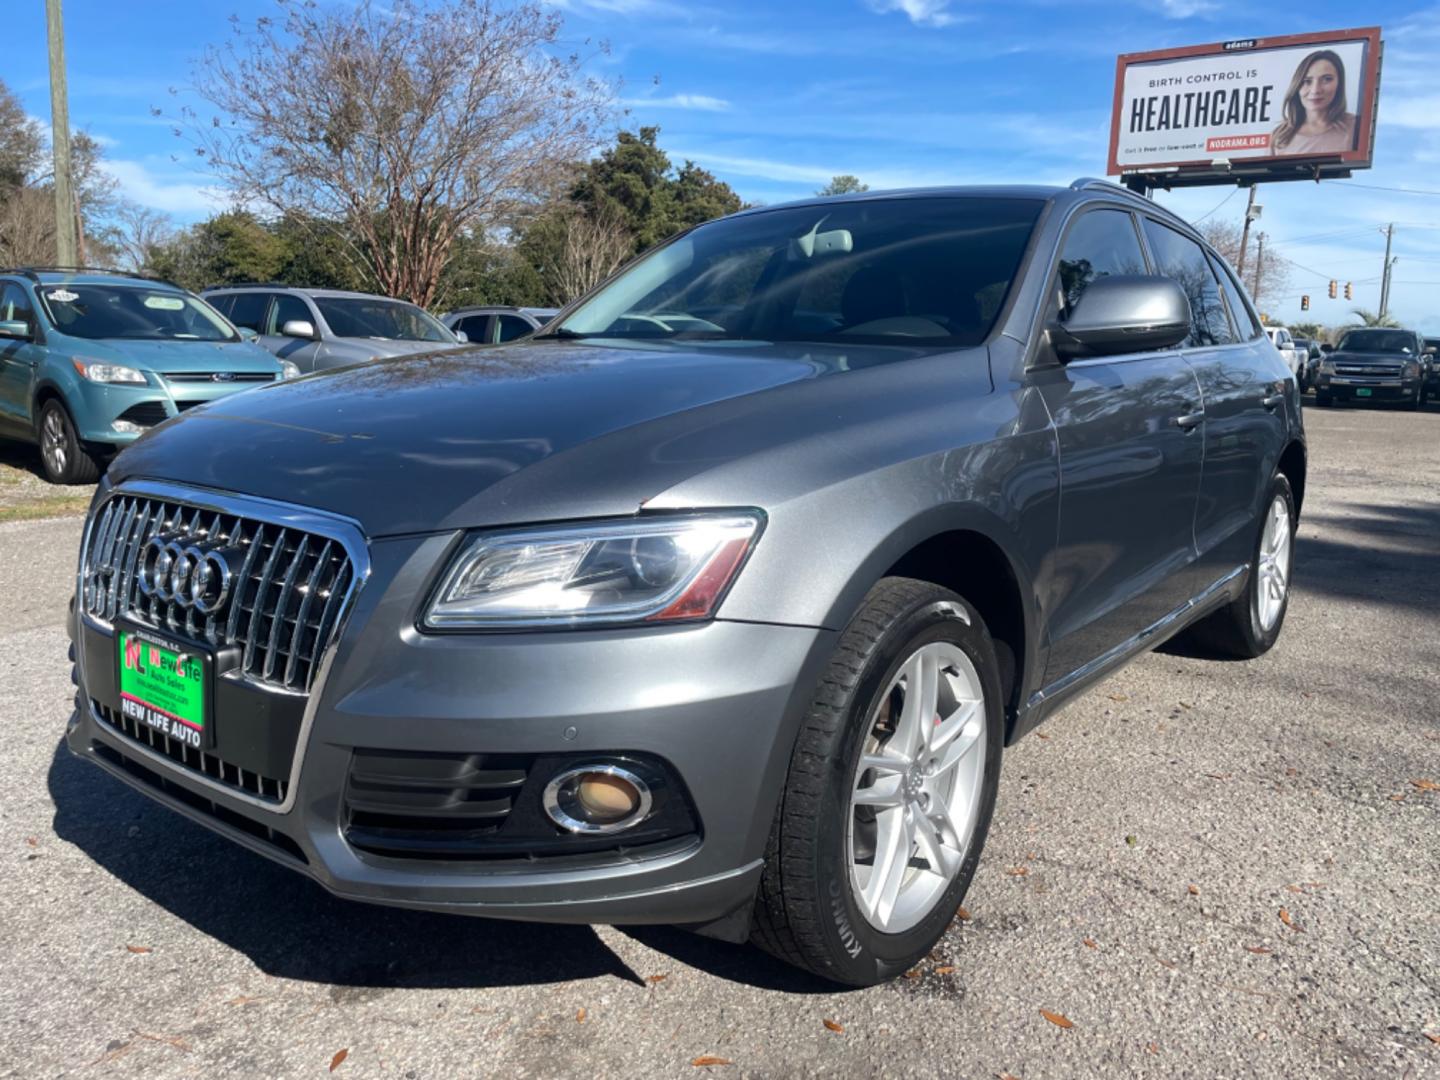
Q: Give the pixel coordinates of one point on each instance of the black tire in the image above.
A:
(1323, 399)
(1419, 402)
(65, 461)
(1236, 630)
(806, 912)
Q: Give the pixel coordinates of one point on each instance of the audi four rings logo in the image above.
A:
(190, 575)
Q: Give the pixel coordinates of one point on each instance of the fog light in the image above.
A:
(125, 427)
(597, 799)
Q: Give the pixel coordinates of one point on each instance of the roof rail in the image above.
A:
(1105, 185)
(251, 285)
(34, 272)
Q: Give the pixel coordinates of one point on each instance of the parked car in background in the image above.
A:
(1285, 344)
(1374, 364)
(718, 602)
(497, 324)
(1310, 355)
(316, 329)
(92, 359)
(1432, 369)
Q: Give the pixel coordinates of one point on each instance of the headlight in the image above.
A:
(288, 370)
(99, 372)
(1410, 370)
(1327, 367)
(657, 570)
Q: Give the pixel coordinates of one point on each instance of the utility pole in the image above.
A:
(1251, 213)
(1259, 262)
(60, 137)
(1385, 277)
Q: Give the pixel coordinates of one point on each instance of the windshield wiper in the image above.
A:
(564, 333)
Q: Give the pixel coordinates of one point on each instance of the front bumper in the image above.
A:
(97, 406)
(1358, 387)
(719, 702)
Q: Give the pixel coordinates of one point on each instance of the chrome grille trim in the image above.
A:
(291, 557)
(340, 530)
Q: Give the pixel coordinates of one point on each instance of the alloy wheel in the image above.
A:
(1273, 579)
(54, 443)
(915, 797)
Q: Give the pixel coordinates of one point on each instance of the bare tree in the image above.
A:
(410, 124)
(138, 232)
(590, 249)
(1267, 275)
(21, 141)
(27, 226)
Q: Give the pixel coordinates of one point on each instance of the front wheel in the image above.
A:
(890, 790)
(63, 458)
(1250, 625)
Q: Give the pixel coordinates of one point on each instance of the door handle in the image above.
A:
(1271, 401)
(1190, 421)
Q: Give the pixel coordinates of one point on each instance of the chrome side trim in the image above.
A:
(343, 530)
(1136, 643)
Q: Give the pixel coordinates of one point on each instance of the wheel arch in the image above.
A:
(1292, 466)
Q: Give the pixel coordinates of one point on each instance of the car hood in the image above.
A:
(1388, 359)
(479, 436)
(172, 355)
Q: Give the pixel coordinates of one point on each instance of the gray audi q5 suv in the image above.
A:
(717, 601)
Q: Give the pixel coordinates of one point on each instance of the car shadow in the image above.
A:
(292, 928)
(22, 456)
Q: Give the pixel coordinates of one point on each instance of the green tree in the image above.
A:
(843, 185)
(227, 249)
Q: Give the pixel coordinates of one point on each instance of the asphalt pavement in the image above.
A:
(1199, 869)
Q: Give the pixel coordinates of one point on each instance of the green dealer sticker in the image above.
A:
(162, 687)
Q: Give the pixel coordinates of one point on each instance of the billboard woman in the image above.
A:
(1315, 120)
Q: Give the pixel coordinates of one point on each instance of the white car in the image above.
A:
(1281, 339)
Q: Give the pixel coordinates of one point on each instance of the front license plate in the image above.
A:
(1362, 391)
(164, 684)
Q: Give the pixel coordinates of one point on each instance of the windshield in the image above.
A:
(886, 271)
(132, 312)
(1380, 341)
(372, 317)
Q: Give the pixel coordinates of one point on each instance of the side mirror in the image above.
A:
(463, 337)
(1124, 313)
(247, 334)
(1326, 347)
(15, 328)
(299, 328)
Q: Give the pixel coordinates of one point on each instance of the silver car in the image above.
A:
(316, 329)
(497, 323)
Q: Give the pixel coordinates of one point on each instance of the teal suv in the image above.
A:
(91, 360)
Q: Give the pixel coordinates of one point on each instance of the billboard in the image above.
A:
(1302, 104)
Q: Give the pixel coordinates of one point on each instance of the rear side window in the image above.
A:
(512, 327)
(222, 303)
(1100, 244)
(287, 308)
(249, 310)
(1182, 259)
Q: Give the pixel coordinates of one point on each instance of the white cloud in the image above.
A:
(920, 12)
(1186, 9)
(696, 102)
(175, 192)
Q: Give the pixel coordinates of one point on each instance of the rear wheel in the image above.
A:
(1250, 625)
(63, 458)
(890, 790)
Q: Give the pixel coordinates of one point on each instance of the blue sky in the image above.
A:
(776, 98)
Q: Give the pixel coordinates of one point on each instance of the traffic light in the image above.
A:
(1349, 291)
(1304, 303)
(1332, 290)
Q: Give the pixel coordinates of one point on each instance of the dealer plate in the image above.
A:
(164, 684)
(1362, 391)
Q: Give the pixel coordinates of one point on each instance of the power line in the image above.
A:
(1380, 187)
(1217, 206)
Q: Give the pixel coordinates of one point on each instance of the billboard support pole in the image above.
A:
(1385, 277)
(1259, 264)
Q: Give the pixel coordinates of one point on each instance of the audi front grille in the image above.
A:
(285, 588)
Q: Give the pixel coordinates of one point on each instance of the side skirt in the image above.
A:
(1046, 701)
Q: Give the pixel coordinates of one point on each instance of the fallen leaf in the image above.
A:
(834, 1025)
(1425, 785)
(339, 1059)
(1042, 735)
(1433, 1038)
(1288, 921)
(243, 999)
(1006, 1076)
(913, 973)
(1398, 798)
(1057, 1019)
(707, 1059)
(1030, 855)
(1193, 890)
(1119, 697)
(1089, 943)
(1018, 871)
(169, 1040)
(138, 948)
(1186, 705)
(948, 969)
(580, 1016)
(32, 841)
(1258, 950)
(656, 978)
(963, 914)
(1154, 1048)
(1293, 888)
